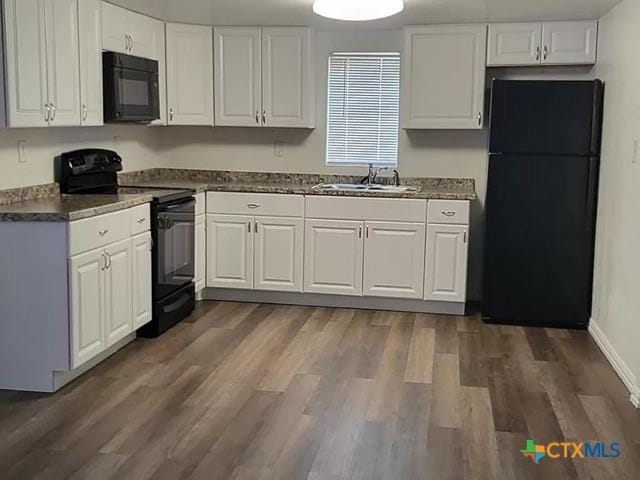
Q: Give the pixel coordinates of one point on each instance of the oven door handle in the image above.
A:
(177, 305)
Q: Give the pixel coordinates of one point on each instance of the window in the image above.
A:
(363, 109)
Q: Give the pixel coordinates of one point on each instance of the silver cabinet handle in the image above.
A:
(258, 117)
(264, 117)
(448, 213)
(103, 267)
(256, 227)
(85, 112)
(464, 237)
(142, 220)
(109, 259)
(102, 233)
(360, 232)
(47, 112)
(367, 232)
(53, 111)
(171, 114)
(546, 52)
(480, 118)
(253, 205)
(249, 226)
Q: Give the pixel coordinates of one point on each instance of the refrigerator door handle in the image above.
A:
(592, 192)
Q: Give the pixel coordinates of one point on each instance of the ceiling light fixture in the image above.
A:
(357, 10)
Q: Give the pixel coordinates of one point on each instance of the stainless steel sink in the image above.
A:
(350, 187)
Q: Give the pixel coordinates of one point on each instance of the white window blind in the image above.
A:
(363, 109)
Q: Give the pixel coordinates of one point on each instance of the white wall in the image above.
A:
(137, 144)
(616, 309)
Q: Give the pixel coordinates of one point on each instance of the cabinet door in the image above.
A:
(333, 257)
(569, 43)
(237, 77)
(141, 299)
(201, 252)
(118, 313)
(160, 54)
(87, 306)
(394, 260)
(26, 63)
(288, 97)
(230, 251)
(189, 75)
(514, 44)
(444, 77)
(279, 253)
(90, 32)
(115, 28)
(446, 263)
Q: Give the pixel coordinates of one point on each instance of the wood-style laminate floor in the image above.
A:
(245, 391)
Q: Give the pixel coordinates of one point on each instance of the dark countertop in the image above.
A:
(294, 184)
(68, 208)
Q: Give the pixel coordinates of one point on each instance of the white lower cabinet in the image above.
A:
(200, 252)
(394, 259)
(333, 257)
(261, 253)
(118, 285)
(446, 263)
(87, 282)
(278, 254)
(141, 299)
(230, 251)
(110, 286)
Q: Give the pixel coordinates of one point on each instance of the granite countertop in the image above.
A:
(295, 184)
(68, 208)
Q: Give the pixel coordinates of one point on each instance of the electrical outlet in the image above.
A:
(116, 140)
(23, 153)
(634, 157)
(278, 149)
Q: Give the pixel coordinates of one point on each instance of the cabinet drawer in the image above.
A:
(448, 211)
(96, 232)
(382, 209)
(266, 204)
(201, 203)
(140, 219)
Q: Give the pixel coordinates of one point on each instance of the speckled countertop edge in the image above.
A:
(292, 183)
(68, 208)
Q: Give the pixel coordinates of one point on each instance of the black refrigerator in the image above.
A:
(541, 202)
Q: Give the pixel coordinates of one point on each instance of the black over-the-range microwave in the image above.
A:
(131, 92)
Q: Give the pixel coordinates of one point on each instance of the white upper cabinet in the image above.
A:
(115, 28)
(566, 43)
(264, 77)
(551, 43)
(63, 69)
(43, 79)
(287, 80)
(514, 44)
(444, 77)
(394, 259)
(237, 77)
(128, 32)
(189, 74)
(90, 35)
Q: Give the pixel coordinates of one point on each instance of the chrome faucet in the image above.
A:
(396, 178)
(373, 174)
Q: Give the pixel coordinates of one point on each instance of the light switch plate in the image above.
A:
(23, 153)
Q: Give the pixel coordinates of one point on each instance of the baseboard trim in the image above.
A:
(619, 365)
(334, 301)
